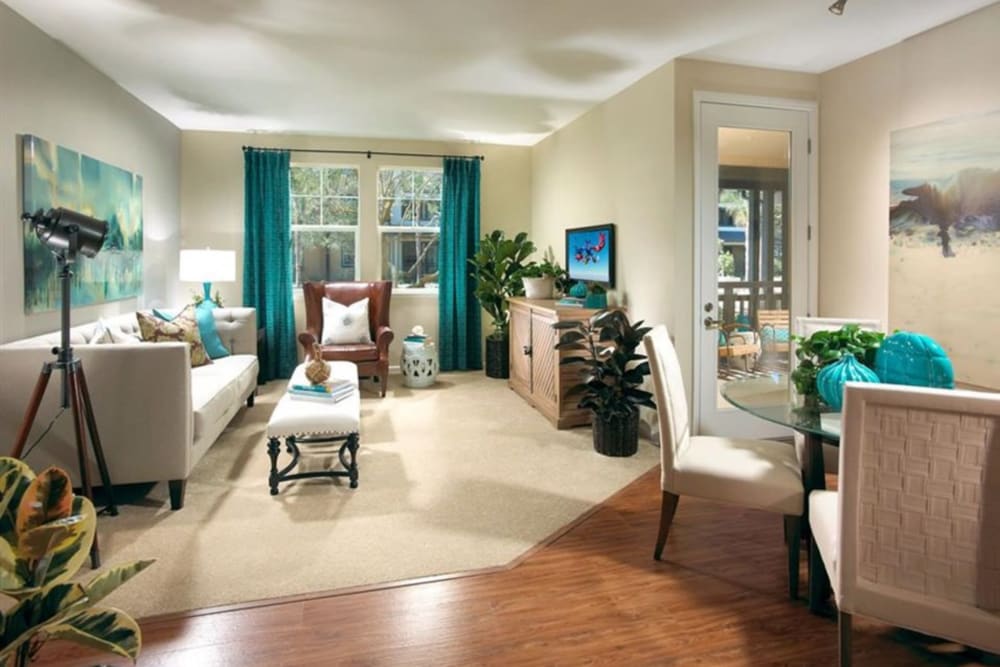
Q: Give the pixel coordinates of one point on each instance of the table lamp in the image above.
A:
(208, 266)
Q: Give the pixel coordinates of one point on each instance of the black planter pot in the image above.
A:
(498, 358)
(618, 436)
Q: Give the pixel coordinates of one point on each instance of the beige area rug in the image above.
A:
(457, 477)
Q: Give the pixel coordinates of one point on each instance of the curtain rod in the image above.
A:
(368, 154)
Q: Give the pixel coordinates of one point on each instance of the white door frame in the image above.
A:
(812, 110)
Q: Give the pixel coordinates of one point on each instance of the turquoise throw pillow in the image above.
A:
(210, 338)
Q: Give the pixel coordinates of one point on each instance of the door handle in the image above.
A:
(711, 322)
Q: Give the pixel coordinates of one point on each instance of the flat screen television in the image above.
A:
(590, 254)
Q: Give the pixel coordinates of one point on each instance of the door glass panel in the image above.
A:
(753, 252)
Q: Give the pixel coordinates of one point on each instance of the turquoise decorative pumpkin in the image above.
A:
(831, 380)
(578, 290)
(914, 359)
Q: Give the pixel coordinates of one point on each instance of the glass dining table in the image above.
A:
(768, 397)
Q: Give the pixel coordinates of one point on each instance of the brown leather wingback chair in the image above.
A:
(372, 359)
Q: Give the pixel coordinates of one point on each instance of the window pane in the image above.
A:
(396, 212)
(428, 213)
(410, 259)
(305, 211)
(340, 211)
(427, 184)
(340, 181)
(395, 183)
(327, 256)
(305, 180)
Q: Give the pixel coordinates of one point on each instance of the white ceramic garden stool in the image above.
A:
(419, 364)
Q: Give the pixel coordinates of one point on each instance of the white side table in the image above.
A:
(419, 364)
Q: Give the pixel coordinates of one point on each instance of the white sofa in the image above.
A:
(156, 415)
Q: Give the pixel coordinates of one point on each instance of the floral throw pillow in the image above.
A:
(183, 328)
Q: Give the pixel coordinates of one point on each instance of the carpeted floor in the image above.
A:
(457, 477)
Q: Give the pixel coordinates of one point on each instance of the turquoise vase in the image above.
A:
(914, 359)
(596, 301)
(831, 380)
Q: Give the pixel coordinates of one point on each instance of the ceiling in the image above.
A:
(498, 71)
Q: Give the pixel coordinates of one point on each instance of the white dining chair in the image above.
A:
(760, 474)
(912, 537)
(805, 327)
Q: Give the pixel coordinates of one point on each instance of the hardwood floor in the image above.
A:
(593, 596)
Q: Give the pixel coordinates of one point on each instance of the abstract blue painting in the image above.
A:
(55, 177)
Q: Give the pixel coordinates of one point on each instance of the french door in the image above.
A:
(755, 265)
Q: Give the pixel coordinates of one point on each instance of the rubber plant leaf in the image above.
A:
(49, 497)
(35, 612)
(68, 557)
(15, 478)
(39, 542)
(104, 629)
(10, 580)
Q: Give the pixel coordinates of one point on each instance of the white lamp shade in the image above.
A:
(208, 266)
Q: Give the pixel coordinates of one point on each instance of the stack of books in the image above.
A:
(329, 392)
(570, 302)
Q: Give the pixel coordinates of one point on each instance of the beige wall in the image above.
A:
(212, 202)
(48, 91)
(630, 161)
(944, 73)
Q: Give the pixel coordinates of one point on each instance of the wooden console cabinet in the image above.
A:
(535, 372)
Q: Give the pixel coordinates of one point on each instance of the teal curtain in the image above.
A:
(267, 258)
(459, 326)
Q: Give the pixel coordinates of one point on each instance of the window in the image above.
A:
(409, 218)
(324, 222)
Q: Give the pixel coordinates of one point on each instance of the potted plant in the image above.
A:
(611, 376)
(47, 532)
(497, 267)
(542, 279)
(822, 348)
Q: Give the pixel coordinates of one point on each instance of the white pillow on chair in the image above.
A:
(345, 324)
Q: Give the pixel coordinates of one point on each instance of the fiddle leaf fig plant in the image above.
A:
(497, 268)
(47, 532)
(822, 348)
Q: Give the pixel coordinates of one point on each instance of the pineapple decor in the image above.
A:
(317, 372)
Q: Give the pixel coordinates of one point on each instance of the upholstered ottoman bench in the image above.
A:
(316, 422)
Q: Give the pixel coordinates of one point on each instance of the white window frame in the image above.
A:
(355, 229)
(391, 229)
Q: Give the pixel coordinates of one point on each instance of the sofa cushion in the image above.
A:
(216, 390)
(355, 352)
(183, 328)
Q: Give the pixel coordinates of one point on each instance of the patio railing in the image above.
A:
(745, 298)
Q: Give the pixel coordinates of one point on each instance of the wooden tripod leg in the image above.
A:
(95, 442)
(76, 402)
(32, 411)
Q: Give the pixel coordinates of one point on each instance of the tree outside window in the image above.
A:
(409, 217)
(324, 210)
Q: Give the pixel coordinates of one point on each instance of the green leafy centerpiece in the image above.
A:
(823, 348)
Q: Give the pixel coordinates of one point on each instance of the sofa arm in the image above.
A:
(141, 395)
(238, 329)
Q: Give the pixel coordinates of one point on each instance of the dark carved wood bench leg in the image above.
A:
(273, 447)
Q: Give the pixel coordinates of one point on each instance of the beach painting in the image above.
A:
(55, 177)
(944, 232)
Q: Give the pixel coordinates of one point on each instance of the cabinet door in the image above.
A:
(520, 341)
(544, 361)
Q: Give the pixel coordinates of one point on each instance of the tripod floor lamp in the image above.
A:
(69, 234)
